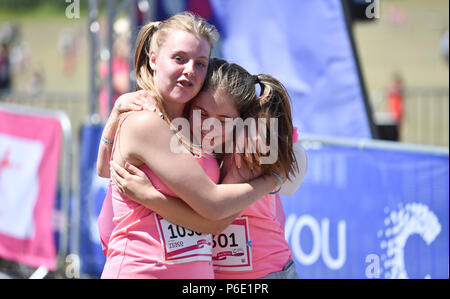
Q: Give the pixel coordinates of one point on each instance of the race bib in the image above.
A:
(182, 245)
(232, 249)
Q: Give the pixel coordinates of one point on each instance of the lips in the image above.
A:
(185, 83)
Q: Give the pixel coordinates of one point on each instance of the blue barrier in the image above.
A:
(370, 213)
(92, 192)
(360, 213)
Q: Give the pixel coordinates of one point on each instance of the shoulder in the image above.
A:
(144, 123)
(144, 119)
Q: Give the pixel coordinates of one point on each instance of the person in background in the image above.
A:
(5, 71)
(67, 45)
(395, 96)
(120, 68)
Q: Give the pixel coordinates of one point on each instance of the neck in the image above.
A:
(174, 110)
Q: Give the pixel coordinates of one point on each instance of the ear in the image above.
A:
(152, 60)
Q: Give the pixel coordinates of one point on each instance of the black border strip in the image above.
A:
(369, 112)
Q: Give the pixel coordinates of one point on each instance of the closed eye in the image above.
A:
(201, 64)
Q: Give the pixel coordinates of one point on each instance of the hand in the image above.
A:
(247, 160)
(242, 173)
(132, 182)
(133, 101)
(247, 152)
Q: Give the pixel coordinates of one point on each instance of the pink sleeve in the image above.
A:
(105, 221)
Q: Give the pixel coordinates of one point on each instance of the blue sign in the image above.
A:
(371, 213)
(305, 45)
(92, 193)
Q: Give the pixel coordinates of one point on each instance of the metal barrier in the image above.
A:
(316, 141)
(65, 174)
(426, 114)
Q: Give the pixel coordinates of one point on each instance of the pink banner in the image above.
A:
(30, 149)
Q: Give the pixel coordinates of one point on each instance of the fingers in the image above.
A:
(133, 169)
(257, 159)
(249, 160)
(134, 101)
(250, 150)
(150, 107)
(238, 160)
(117, 180)
(130, 105)
(243, 155)
(147, 96)
(119, 169)
(136, 104)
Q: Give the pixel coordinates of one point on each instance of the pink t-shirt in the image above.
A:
(141, 244)
(257, 250)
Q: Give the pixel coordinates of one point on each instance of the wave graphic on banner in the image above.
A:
(414, 218)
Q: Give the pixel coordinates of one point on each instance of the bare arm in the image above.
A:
(104, 150)
(179, 213)
(147, 139)
(127, 102)
(134, 183)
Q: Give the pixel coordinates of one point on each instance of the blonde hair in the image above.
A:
(154, 34)
(272, 102)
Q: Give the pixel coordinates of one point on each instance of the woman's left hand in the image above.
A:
(132, 182)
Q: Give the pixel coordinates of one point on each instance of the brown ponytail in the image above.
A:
(274, 102)
(144, 74)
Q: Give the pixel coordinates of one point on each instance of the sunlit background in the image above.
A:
(402, 53)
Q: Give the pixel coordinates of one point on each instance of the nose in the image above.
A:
(189, 69)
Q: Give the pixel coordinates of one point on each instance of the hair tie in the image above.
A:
(256, 79)
(258, 87)
(294, 135)
(281, 182)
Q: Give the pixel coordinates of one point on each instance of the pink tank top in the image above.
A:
(144, 245)
(255, 242)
